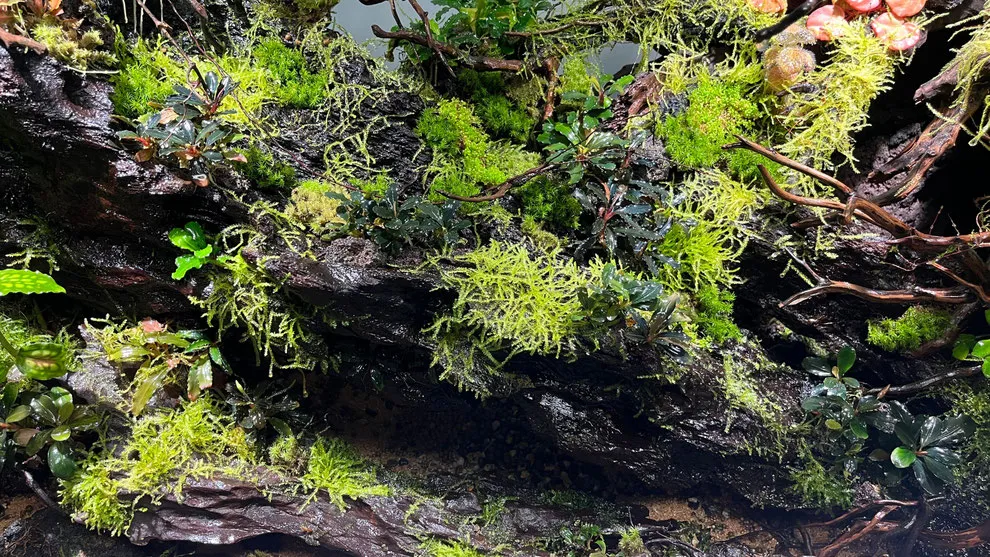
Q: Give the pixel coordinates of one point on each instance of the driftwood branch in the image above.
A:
(11, 39)
(507, 185)
(929, 382)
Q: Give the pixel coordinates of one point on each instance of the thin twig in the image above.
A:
(929, 382)
(507, 185)
(480, 63)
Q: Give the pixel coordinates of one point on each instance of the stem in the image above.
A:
(7, 346)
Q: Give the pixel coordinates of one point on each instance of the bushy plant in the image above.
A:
(186, 131)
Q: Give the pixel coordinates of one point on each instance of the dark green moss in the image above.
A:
(550, 203)
(715, 314)
(501, 116)
(264, 170)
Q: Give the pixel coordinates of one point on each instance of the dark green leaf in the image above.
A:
(60, 461)
(846, 359)
(18, 414)
(939, 470)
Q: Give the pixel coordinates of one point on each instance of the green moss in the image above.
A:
(310, 205)
(244, 295)
(335, 468)
(497, 112)
(146, 76)
(284, 452)
(81, 51)
(264, 170)
(319, 8)
(550, 203)
(375, 187)
(714, 314)
(822, 125)
(297, 86)
(577, 75)
(164, 449)
(542, 239)
(465, 158)
(743, 392)
(449, 549)
(818, 487)
(631, 543)
(507, 297)
(974, 402)
(917, 326)
(717, 111)
(710, 233)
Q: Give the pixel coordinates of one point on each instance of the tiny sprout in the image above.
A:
(828, 22)
(896, 33)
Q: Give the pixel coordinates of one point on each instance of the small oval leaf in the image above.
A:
(902, 457)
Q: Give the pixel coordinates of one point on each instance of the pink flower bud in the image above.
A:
(861, 6)
(827, 23)
(894, 32)
(905, 8)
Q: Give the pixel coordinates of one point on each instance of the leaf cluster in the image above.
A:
(392, 222)
(186, 131)
(929, 446)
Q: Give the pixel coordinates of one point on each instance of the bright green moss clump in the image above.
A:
(146, 76)
(501, 115)
(818, 487)
(310, 205)
(297, 86)
(551, 203)
(715, 314)
(334, 467)
(465, 158)
(450, 549)
(264, 170)
(507, 296)
(717, 111)
(917, 326)
(164, 450)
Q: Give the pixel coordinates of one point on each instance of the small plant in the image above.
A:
(841, 410)
(637, 306)
(929, 446)
(254, 410)
(969, 348)
(393, 223)
(42, 25)
(40, 361)
(580, 540)
(335, 468)
(186, 132)
(192, 239)
(158, 356)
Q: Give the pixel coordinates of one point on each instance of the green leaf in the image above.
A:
(60, 461)
(218, 359)
(846, 359)
(190, 238)
(45, 410)
(963, 346)
(833, 425)
(200, 377)
(859, 429)
(27, 282)
(41, 361)
(902, 457)
(986, 367)
(186, 263)
(929, 432)
(144, 391)
(18, 414)
(61, 433)
(938, 469)
(982, 348)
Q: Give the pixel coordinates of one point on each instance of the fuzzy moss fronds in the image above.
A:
(917, 326)
(710, 234)
(743, 392)
(500, 114)
(507, 298)
(974, 402)
(818, 487)
(546, 241)
(717, 111)
(548, 202)
(66, 44)
(264, 170)
(465, 158)
(631, 543)
(164, 450)
(146, 76)
(243, 294)
(334, 467)
(19, 332)
(310, 205)
(969, 65)
(714, 314)
(435, 548)
(296, 85)
(859, 68)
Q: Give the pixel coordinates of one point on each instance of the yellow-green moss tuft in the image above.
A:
(917, 326)
(335, 468)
